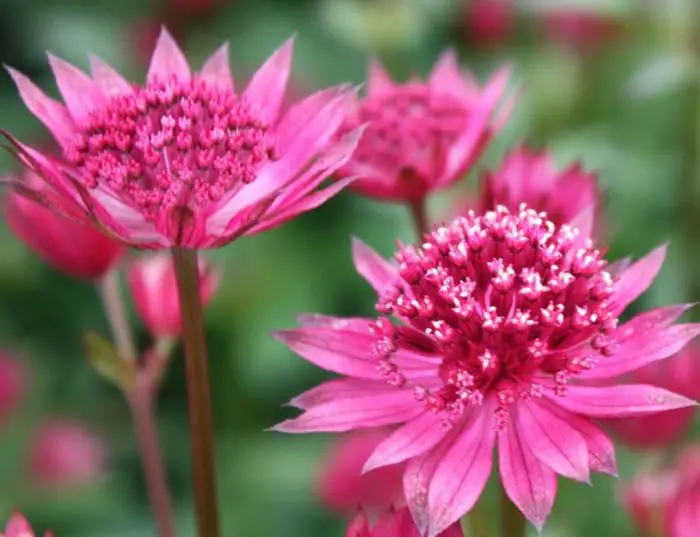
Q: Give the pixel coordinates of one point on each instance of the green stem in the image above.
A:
(198, 393)
(512, 520)
(478, 526)
(420, 218)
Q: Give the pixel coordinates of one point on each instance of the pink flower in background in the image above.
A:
(680, 374)
(18, 526)
(342, 485)
(185, 160)
(153, 289)
(578, 28)
(12, 385)
(70, 243)
(393, 524)
(422, 136)
(507, 324)
(65, 453)
(489, 22)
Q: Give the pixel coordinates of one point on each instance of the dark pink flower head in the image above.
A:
(579, 28)
(12, 384)
(393, 524)
(422, 136)
(489, 22)
(185, 159)
(502, 318)
(343, 486)
(530, 177)
(18, 526)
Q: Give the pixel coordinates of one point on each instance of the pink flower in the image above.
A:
(65, 453)
(18, 526)
(343, 486)
(12, 385)
(185, 160)
(489, 22)
(506, 323)
(71, 244)
(422, 136)
(680, 374)
(154, 290)
(393, 524)
(578, 28)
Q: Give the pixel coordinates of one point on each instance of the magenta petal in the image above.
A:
(79, 92)
(334, 390)
(317, 320)
(358, 527)
(621, 401)
(216, 70)
(637, 278)
(266, 89)
(412, 439)
(446, 77)
(378, 80)
(110, 82)
(375, 410)
(461, 474)
(378, 272)
(529, 484)
(553, 441)
(167, 61)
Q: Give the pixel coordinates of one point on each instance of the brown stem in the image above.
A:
(115, 310)
(198, 392)
(420, 218)
(512, 520)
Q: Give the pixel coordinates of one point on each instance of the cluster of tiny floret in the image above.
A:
(510, 303)
(172, 144)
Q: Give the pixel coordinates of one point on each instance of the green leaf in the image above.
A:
(105, 360)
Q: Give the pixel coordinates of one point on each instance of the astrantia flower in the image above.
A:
(489, 22)
(393, 524)
(18, 526)
(422, 136)
(184, 160)
(502, 318)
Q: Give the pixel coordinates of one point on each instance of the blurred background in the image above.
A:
(613, 83)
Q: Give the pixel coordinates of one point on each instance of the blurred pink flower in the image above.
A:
(70, 243)
(505, 320)
(680, 374)
(65, 453)
(579, 28)
(18, 526)
(489, 22)
(12, 384)
(153, 288)
(393, 524)
(184, 160)
(422, 136)
(343, 486)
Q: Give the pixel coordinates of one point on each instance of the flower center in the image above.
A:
(507, 301)
(172, 144)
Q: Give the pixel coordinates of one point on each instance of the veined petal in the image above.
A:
(334, 390)
(110, 82)
(378, 272)
(552, 440)
(637, 278)
(167, 61)
(266, 89)
(216, 70)
(621, 401)
(529, 484)
(374, 410)
(81, 95)
(410, 440)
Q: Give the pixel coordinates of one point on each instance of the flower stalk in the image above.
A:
(420, 217)
(477, 523)
(198, 392)
(512, 520)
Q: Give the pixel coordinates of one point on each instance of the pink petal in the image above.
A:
(410, 440)
(51, 113)
(621, 401)
(446, 78)
(168, 61)
(378, 272)
(358, 527)
(378, 80)
(110, 82)
(618, 267)
(266, 89)
(317, 320)
(637, 279)
(18, 526)
(334, 390)
(81, 95)
(553, 441)
(461, 474)
(216, 70)
(529, 484)
(374, 410)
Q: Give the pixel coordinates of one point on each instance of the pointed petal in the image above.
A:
(18, 526)
(529, 484)
(216, 71)
(167, 61)
(79, 92)
(334, 390)
(375, 410)
(110, 82)
(446, 77)
(408, 441)
(51, 113)
(378, 272)
(461, 475)
(266, 89)
(621, 401)
(618, 267)
(358, 527)
(317, 320)
(378, 80)
(637, 279)
(553, 441)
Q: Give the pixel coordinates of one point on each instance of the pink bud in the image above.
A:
(65, 453)
(18, 526)
(12, 384)
(648, 499)
(73, 247)
(580, 29)
(341, 484)
(154, 291)
(489, 22)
